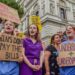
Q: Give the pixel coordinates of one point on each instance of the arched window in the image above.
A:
(62, 9)
(36, 10)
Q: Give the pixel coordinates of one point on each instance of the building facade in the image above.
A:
(54, 14)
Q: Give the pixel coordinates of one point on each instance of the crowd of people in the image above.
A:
(35, 59)
(52, 52)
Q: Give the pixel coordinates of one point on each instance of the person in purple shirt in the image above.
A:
(68, 70)
(32, 53)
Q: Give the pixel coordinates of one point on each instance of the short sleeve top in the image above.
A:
(32, 49)
(54, 54)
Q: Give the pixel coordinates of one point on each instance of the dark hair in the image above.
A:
(37, 36)
(53, 37)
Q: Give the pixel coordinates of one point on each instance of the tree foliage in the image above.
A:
(15, 5)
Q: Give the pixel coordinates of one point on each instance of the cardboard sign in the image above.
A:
(35, 20)
(9, 13)
(10, 47)
(67, 55)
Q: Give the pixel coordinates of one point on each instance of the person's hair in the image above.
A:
(53, 37)
(70, 26)
(37, 36)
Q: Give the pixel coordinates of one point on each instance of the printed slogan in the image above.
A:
(10, 47)
(67, 54)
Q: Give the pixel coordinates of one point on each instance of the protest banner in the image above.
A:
(10, 47)
(35, 20)
(67, 55)
(9, 13)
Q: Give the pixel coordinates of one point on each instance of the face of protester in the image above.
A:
(57, 39)
(70, 31)
(33, 30)
(8, 27)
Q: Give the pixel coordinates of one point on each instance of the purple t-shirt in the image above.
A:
(32, 49)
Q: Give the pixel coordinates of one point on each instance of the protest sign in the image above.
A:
(35, 20)
(9, 13)
(67, 54)
(10, 47)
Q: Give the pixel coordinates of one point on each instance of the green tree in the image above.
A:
(15, 5)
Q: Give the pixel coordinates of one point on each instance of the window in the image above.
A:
(73, 6)
(62, 9)
(74, 15)
(43, 9)
(27, 22)
(21, 27)
(52, 6)
(43, 6)
(36, 9)
(62, 13)
(37, 13)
